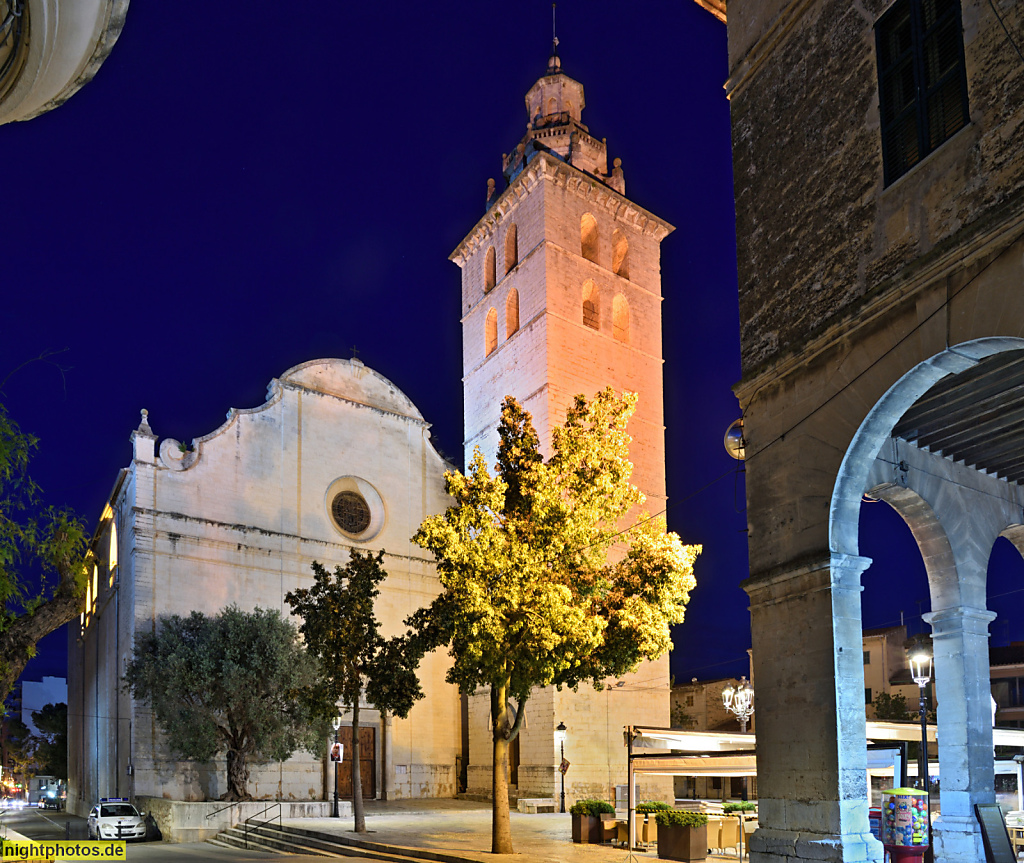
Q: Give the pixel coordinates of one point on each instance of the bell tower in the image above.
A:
(561, 294)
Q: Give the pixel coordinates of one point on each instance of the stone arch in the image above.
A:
(512, 313)
(620, 318)
(552, 106)
(490, 332)
(490, 269)
(588, 237)
(959, 618)
(511, 247)
(620, 254)
(591, 305)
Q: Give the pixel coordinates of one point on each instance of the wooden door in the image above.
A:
(367, 762)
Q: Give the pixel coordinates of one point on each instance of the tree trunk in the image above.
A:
(357, 778)
(238, 777)
(504, 732)
(501, 825)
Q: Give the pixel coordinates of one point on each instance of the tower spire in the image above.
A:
(554, 63)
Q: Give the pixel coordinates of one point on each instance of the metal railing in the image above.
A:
(258, 824)
(222, 809)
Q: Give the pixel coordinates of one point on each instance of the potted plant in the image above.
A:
(586, 820)
(682, 835)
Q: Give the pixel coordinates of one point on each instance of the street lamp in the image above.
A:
(921, 670)
(560, 730)
(336, 722)
(739, 700)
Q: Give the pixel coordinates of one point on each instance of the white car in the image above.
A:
(116, 818)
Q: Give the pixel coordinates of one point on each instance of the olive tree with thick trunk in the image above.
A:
(238, 683)
(530, 595)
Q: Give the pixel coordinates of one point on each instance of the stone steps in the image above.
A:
(295, 840)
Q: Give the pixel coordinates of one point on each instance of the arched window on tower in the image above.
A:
(552, 106)
(588, 237)
(620, 318)
(511, 247)
(620, 254)
(511, 313)
(489, 270)
(491, 332)
(591, 305)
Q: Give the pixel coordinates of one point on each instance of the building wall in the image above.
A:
(847, 285)
(239, 519)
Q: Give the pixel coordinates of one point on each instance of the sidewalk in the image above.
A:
(462, 828)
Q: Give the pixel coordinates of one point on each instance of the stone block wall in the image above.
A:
(819, 233)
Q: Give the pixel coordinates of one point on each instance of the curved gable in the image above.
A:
(353, 381)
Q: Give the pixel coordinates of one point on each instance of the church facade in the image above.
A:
(561, 294)
(337, 458)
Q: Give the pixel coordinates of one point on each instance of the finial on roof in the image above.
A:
(554, 63)
(144, 424)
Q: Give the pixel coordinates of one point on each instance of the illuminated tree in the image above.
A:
(530, 595)
(33, 538)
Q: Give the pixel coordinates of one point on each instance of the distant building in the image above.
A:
(1007, 675)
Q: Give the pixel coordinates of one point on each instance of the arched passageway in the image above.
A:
(943, 447)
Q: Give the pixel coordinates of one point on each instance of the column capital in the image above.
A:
(949, 621)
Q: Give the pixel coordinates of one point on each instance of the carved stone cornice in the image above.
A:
(544, 167)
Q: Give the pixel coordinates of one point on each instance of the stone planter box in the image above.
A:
(587, 829)
(683, 843)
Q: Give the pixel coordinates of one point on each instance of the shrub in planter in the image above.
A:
(649, 806)
(682, 835)
(586, 820)
(742, 806)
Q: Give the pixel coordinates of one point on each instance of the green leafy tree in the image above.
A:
(892, 708)
(531, 595)
(340, 628)
(228, 683)
(33, 539)
(51, 744)
(19, 748)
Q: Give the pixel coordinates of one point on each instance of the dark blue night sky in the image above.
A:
(248, 187)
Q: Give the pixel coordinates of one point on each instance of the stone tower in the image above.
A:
(561, 294)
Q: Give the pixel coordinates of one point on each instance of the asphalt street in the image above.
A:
(48, 825)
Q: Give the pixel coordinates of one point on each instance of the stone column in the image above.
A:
(960, 639)
(387, 770)
(811, 757)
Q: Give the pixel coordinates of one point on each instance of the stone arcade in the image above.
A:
(880, 226)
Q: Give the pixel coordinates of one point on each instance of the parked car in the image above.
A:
(116, 818)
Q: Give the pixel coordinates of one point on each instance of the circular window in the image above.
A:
(354, 508)
(350, 512)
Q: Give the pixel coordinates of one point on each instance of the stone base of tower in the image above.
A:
(594, 747)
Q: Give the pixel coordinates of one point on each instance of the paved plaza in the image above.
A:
(462, 829)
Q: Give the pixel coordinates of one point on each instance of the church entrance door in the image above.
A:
(367, 763)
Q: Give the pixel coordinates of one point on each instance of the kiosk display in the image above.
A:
(905, 823)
